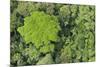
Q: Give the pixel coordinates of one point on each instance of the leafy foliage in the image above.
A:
(38, 27)
(25, 8)
(46, 60)
(50, 33)
(79, 44)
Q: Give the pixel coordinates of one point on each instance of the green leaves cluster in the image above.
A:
(80, 47)
(39, 29)
(46, 60)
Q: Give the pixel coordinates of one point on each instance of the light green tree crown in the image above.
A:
(39, 28)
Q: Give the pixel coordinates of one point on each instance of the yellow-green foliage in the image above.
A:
(39, 29)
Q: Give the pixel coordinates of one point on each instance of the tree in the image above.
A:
(46, 60)
(39, 29)
(65, 13)
(25, 8)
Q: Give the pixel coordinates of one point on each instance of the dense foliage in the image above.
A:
(47, 33)
(38, 27)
